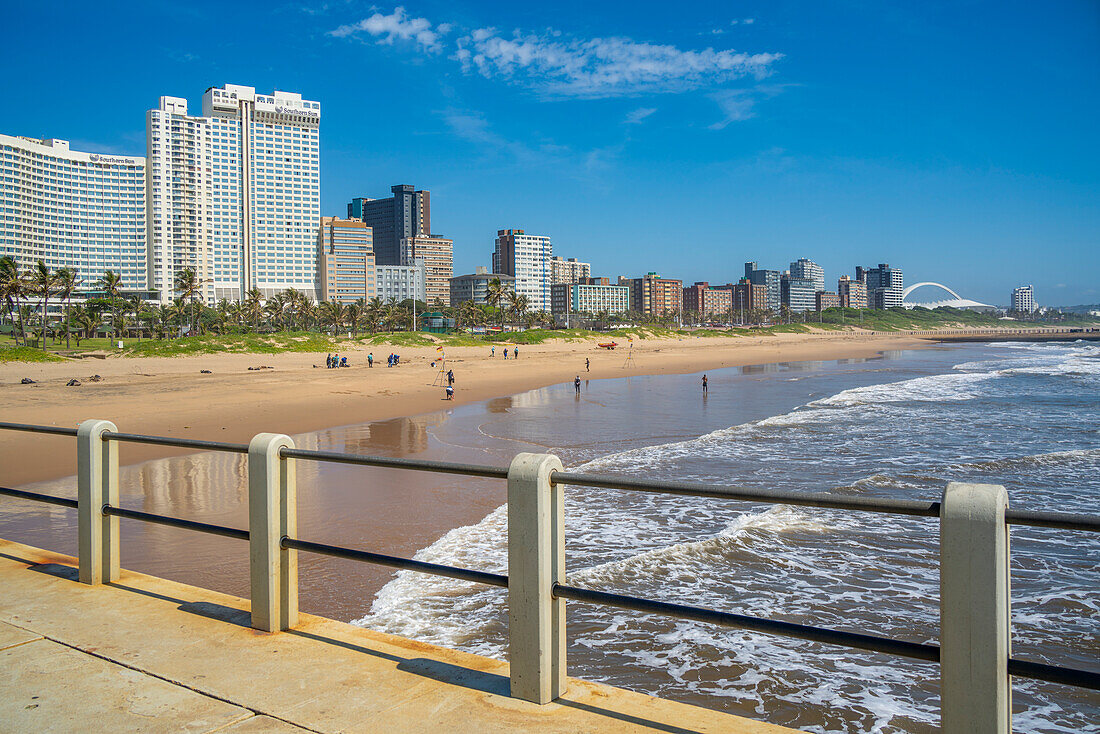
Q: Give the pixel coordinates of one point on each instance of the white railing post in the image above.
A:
(976, 694)
(272, 514)
(536, 560)
(96, 486)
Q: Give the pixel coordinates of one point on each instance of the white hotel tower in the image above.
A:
(71, 209)
(234, 194)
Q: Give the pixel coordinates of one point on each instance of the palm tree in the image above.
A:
(111, 285)
(331, 314)
(43, 283)
(88, 321)
(518, 305)
(495, 295)
(12, 288)
(67, 282)
(253, 307)
(189, 287)
(375, 310)
(353, 313)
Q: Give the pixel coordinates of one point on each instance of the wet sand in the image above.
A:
(170, 397)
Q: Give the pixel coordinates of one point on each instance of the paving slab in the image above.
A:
(323, 675)
(262, 725)
(11, 636)
(48, 687)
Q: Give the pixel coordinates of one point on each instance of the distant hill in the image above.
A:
(1084, 308)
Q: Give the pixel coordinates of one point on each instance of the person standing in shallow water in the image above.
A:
(577, 384)
(704, 383)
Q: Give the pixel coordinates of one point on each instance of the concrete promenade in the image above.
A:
(151, 655)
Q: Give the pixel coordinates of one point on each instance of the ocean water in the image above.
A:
(1024, 415)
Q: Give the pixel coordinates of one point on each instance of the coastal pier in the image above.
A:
(86, 641)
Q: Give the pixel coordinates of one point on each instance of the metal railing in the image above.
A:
(974, 654)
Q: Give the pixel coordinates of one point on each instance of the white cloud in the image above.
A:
(397, 26)
(602, 67)
(740, 104)
(746, 21)
(635, 117)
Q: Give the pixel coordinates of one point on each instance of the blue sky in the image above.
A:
(958, 141)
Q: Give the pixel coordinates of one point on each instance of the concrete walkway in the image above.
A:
(149, 655)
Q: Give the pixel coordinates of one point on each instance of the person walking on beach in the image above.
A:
(515, 352)
(370, 360)
(493, 351)
(577, 384)
(506, 352)
(704, 383)
(587, 368)
(450, 377)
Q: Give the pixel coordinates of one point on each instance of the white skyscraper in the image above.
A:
(1023, 299)
(527, 257)
(235, 193)
(803, 268)
(72, 209)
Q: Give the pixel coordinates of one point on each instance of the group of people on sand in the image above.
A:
(515, 352)
(334, 360)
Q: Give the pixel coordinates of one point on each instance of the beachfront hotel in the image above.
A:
(652, 294)
(707, 300)
(234, 193)
(885, 285)
(437, 255)
(345, 261)
(401, 282)
(569, 270)
(72, 209)
(527, 258)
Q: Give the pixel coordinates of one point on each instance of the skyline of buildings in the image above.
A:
(234, 194)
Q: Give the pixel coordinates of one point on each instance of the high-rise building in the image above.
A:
(568, 271)
(67, 208)
(852, 293)
(406, 214)
(770, 280)
(401, 282)
(234, 194)
(475, 286)
(527, 257)
(746, 297)
(799, 294)
(437, 254)
(345, 261)
(884, 286)
(708, 301)
(652, 294)
(1023, 299)
(803, 268)
(592, 298)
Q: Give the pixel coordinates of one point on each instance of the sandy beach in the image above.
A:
(171, 397)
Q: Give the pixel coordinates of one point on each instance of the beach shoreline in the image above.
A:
(170, 396)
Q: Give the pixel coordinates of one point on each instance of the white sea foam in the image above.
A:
(932, 388)
(1053, 458)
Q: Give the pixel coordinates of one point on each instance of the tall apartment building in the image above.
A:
(72, 209)
(652, 294)
(803, 268)
(1023, 299)
(406, 214)
(568, 271)
(589, 297)
(707, 301)
(884, 285)
(475, 286)
(852, 293)
(235, 193)
(799, 294)
(747, 296)
(770, 279)
(527, 258)
(345, 261)
(437, 254)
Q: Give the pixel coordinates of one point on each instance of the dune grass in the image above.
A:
(27, 354)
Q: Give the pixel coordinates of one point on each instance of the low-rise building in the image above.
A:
(747, 297)
(401, 282)
(345, 261)
(475, 286)
(826, 299)
(589, 297)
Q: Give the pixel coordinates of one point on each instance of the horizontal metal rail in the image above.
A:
(405, 564)
(1060, 520)
(38, 429)
(48, 499)
(183, 443)
(175, 522)
(918, 651)
(442, 467)
(1054, 674)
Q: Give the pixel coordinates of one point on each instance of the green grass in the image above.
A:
(290, 341)
(27, 354)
